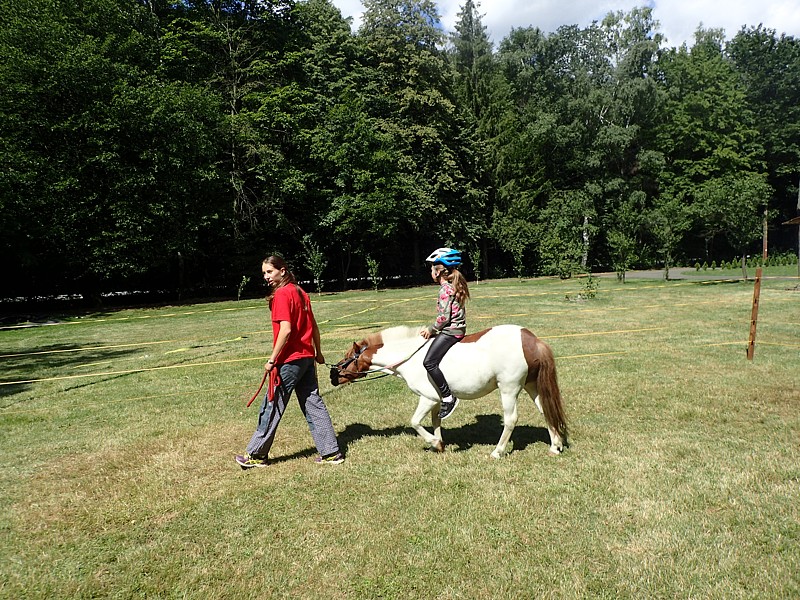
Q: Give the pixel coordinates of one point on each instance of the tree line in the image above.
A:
(148, 144)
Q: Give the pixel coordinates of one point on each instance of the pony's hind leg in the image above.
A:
(424, 407)
(510, 416)
(556, 443)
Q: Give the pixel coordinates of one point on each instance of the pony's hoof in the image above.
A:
(496, 455)
(437, 446)
(555, 451)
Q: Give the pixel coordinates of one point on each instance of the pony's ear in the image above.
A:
(356, 347)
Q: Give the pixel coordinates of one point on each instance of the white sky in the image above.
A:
(679, 18)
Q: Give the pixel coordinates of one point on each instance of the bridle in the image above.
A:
(338, 370)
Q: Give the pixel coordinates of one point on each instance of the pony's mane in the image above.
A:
(395, 334)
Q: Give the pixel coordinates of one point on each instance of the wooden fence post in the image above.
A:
(751, 344)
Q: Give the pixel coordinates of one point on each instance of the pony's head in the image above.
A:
(356, 362)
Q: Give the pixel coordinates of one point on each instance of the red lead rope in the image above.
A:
(274, 382)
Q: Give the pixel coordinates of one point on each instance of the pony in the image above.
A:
(505, 357)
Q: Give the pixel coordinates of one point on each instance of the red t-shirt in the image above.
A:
(290, 303)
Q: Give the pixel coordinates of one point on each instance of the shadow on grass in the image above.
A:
(24, 368)
(709, 282)
(485, 430)
(350, 434)
(70, 360)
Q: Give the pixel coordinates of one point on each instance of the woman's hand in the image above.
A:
(319, 358)
(425, 333)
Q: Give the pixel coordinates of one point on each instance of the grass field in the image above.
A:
(682, 478)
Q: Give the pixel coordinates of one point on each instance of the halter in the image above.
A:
(337, 370)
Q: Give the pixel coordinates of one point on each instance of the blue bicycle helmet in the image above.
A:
(450, 258)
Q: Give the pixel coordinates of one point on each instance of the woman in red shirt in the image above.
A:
(296, 345)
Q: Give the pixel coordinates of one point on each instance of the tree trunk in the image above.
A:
(585, 257)
(485, 255)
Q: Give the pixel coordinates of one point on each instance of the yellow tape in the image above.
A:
(590, 355)
(128, 371)
(184, 393)
(379, 306)
(404, 300)
(568, 335)
(746, 343)
(94, 364)
(111, 347)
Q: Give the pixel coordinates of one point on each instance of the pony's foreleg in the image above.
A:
(424, 407)
(556, 443)
(510, 415)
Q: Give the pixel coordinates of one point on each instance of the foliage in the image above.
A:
(154, 145)
(768, 67)
(242, 284)
(668, 221)
(373, 269)
(589, 286)
(315, 260)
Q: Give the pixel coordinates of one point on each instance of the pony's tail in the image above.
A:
(549, 392)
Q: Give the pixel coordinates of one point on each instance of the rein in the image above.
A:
(339, 367)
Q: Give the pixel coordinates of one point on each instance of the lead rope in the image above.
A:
(274, 382)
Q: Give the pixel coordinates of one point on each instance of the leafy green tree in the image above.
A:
(735, 207)
(315, 260)
(471, 56)
(708, 131)
(587, 106)
(668, 221)
(565, 236)
(479, 96)
(119, 165)
(769, 69)
(625, 224)
(516, 232)
(409, 98)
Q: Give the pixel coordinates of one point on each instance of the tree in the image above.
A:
(586, 105)
(409, 100)
(669, 220)
(769, 70)
(735, 206)
(565, 236)
(117, 166)
(624, 225)
(479, 93)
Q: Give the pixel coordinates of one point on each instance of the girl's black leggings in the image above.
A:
(439, 347)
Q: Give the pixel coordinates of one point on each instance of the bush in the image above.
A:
(373, 267)
(242, 284)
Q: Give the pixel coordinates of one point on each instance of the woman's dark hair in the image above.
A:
(279, 262)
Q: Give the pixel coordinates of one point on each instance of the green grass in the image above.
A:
(736, 272)
(682, 478)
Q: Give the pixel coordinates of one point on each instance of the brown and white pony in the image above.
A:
(506, 357)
